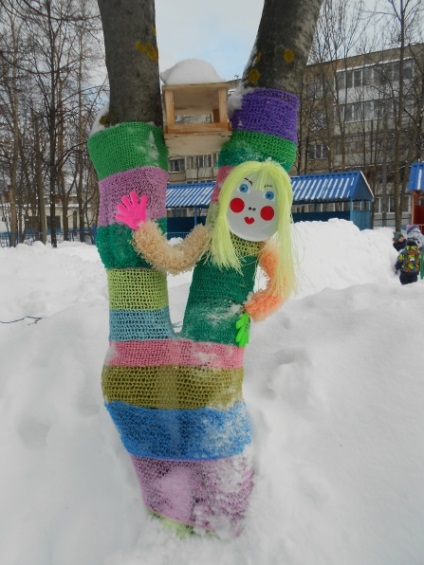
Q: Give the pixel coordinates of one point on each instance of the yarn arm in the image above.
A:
(264, 302)
(153, 245)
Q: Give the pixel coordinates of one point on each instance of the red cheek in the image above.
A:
(267, 213)
(237, 205)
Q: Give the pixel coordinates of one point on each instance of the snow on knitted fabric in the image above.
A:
(173, 387)
(176, 403)
(217, 295)
(127, 146)
(212, 495)
(199, 434)
(175, 352)
(129, 156)
(176, 399)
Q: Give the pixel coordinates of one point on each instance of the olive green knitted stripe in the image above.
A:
(127, 146)
(256, 146)
(114, 244)
(172, 387)
(137, 289)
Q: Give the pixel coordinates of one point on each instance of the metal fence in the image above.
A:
(31, 236)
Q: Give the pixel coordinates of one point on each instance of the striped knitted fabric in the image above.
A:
(177, 403)
(264, 127)
(177, 400)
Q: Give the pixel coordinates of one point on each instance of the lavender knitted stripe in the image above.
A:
(204, 494)
(268, 111)
(151, 181)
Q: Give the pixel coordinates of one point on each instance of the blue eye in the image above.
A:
(244, 188)
(269, 195)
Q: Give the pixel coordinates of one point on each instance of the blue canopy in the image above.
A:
(326, 187)
(416, 177)
(331, 187)
(189, 195)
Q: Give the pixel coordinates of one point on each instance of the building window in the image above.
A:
(200, 161)
(382, 107)
(315, 90)
(318, 151)
(318, 120)
(377, 75)
(408, 69)
(367, 110)
(353, 112)
(176, 165)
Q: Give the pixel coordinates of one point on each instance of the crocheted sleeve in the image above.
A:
(149, 241)
(264, 302)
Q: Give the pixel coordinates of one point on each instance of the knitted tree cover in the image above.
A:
(176, 399)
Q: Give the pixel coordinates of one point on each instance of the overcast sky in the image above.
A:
(221, 32)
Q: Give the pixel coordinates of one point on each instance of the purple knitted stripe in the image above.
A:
(151, 181)
(205, 494)
(268, 111)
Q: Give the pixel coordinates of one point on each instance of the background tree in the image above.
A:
(278, 57)
(48, 95)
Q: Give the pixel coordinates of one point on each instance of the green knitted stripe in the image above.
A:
(172, 386)
(256, 146)
(137, 289)
(114, 244)
(213, 308)
(127, 146)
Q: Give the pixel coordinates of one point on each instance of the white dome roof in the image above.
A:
(190, 71)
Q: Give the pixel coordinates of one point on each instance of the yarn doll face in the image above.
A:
(252, 214)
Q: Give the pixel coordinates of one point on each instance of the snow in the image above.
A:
(334, 387)
(190, 71)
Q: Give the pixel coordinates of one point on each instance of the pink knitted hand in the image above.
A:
(131, 211)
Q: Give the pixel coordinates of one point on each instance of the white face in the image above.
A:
(252, 214)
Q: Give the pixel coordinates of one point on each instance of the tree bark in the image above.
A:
(132, 61)
(282, 45)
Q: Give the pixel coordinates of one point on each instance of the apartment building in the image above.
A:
(365, 113)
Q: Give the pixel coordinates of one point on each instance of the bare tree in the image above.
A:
(402, 20)
(337, 38)
(46, 90)
(277, 61)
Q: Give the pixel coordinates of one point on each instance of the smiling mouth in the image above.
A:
(249, 220)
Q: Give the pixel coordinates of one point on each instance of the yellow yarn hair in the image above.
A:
(223, 252)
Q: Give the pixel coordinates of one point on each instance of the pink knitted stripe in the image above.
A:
(183, 352)
(197, 493)
(220, 177)
(151, 181)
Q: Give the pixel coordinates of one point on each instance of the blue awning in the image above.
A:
(326, 187)
(331, 187)
(189, 195)
(416, 177)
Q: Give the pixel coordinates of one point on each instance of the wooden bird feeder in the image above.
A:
(196, 108)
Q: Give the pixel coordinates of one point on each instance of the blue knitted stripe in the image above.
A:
(129, 325)
(193, 435)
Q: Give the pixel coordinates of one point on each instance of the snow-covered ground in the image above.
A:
(334, 384)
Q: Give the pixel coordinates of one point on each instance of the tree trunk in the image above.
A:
(40, 182)
(13, 222)
(282, 46)
(132, 61)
